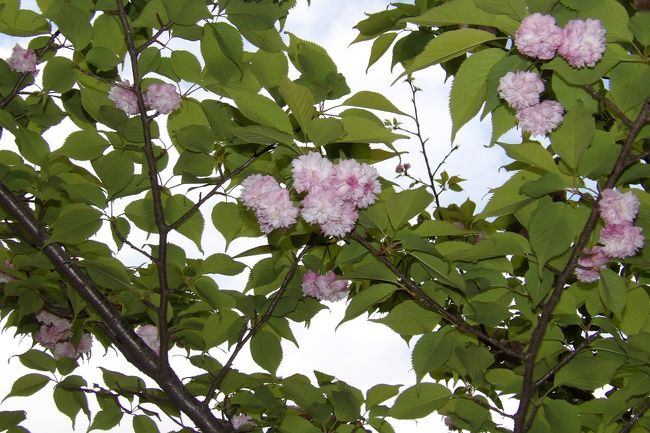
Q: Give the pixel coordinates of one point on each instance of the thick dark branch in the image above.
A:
(245, 336)
(219, 183)
(156, 189)
(119, 332)
(637, 416)
(537, 336)
(432, 305)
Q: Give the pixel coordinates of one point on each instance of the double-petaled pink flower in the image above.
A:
(583, 43)
(327, 287)
(23, 60)
(270, 202)
(161, 97)
(55, 334)
(538, 36)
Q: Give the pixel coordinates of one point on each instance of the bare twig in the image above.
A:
(637, 416)
(609, 104)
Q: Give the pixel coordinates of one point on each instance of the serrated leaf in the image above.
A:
(408, 318)
(37, 360)
(640, 26)
(373, 101)
(177, 206)
(613, 291)
(300, 101)
(573, 136)
(558, 219)
(262, 110)
(470, 85)
(106, 419)
(431, 352)
(221, 264)
(464, 12)
(70, 403)
(419, 401)
(366, 299)
(27, 385)
(75, 224)
(59, 74)
(406, 205)
(636, 312)
(515, 9)
(84, 145)
(589, 370)
(325, 131)
(379, 47)
(144, 424)
(380, 393)
(266, 350)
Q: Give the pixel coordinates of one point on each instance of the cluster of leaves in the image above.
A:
(491, 296)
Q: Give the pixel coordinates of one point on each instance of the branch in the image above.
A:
(124, 240)
(243, 338)
(118, 331)
(432, 305)
(637, 416)
(545, 318)
(609, 104)
(154, 38)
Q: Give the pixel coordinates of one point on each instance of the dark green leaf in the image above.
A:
(27, 385)
(266, 350)
(419, 401)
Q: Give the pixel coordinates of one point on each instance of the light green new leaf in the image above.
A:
(84, 145)
(431, 352)
(266, 350)
(574, 135)
(300, 101)
(75, 224)
(446, 47)
(362, 301)
(465, 12)
(21, 22)
(406, 205)
(186, 66)
(141, 213)
(269, 68)
(261, 135)
(221, 264)
(562, 416)
(419, 401)
(613, 291)
(27, 385)
(585, 76)
(379, 47)
(325, 131)
(533, 153)
(552, 230)
(115, 169)
(360, 129)
(372, 100)
(507, 198)
(469, 87)
(186, 12)
(262, 110)
(637, 311)
(192, 228)
(73, 22)
(59, 74)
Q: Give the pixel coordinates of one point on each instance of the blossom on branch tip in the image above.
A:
(23, 60)
(124, 98)
(590, 263)
(538, 36)
(162, 97)
(616, 207)
(542, 118)
(149, 334)
(583, 42)
(521, 89)
(621, 240)
(325, 287)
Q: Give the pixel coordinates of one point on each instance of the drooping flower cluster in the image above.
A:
(23, 60)
(325, 287)
(55, 334)
(619, 238)
(521, 91)
(149, 334)
(162, 97)
(270, 202)
(581, 43)
(335, 192)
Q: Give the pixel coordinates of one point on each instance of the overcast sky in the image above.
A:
(361, 353)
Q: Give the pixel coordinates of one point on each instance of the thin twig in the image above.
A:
(154, 38)
(124, 240)
(609, 104)
(637, 416)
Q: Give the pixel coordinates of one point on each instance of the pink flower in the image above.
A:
(584, 42)
(67, 350)
(270, 202)
(241, 420)
(617, 207)
(324, 287)
(163, 98)
(149, 334)
(542, 118)
(590, 264)
(255, 188)
(124, 98)
(4, 277)
(521, 89)
(356, 183)
(310, 171)
(321, 205)
(402, 168)
(538, 36)
(343, 223)
(621, 240)
(54, 329)
(23, 60)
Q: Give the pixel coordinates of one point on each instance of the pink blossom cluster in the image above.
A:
(162, 97)
(619, 238)
(335, 192)
(55, 334)
(521, 91)
(325, 287)
(23, 60)
(241, 420)
(149, 334)
(270, 202)
(581, 42)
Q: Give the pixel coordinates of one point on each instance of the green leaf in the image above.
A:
(379, 47)
(574, 135)
(431, 352)
(144, 424)
(325, 131)
(106, 419)
(262, 110)
(373, 101)
(261, 135)
(32, 146)
(21, 22)
(186, 66)
(507, 199)
(640, 26)
(73, 22)
(558, 219)
(627, 88)
(269, 68)
(12, 418)
(196, 138)
(75, 224)
(465, 12)
(37, 360)
(589, 370)
(614, 18)
(186, 12)
(408, 318)
(103, 59)
(231, 221)
(380, 393)
(84, 145)
(70, 403)
(419, 401)
(371, 270)
(365, 299)
(613, 291)
(27, 385)
(300, 101)
(192, 228)
(636, 312)
(584, 76)
(59, 74)
(266, 350)
(532, 153)
(296, 424)
(406, 205)
(440, 270)
(141, 213)
(447, 46)
(469, 87)
(495, 245)
(115, 169)
(221, 264)
(515, 9)
(562, 416)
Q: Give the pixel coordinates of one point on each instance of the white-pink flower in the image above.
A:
(23, 60)
(583, 42)
(621, 240)
(321, 205)
(124, 97)
(241, 420)
(255, 187)
(616, 207)
(53, 330)
(149, 334)
(542, 118)
(538, 36)
(270, 202)
(326, 287)
(356, 183)
(66, 349)
(343, 223)
(590, 263)
(521, 89)
(310, 171)
(162, 97)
